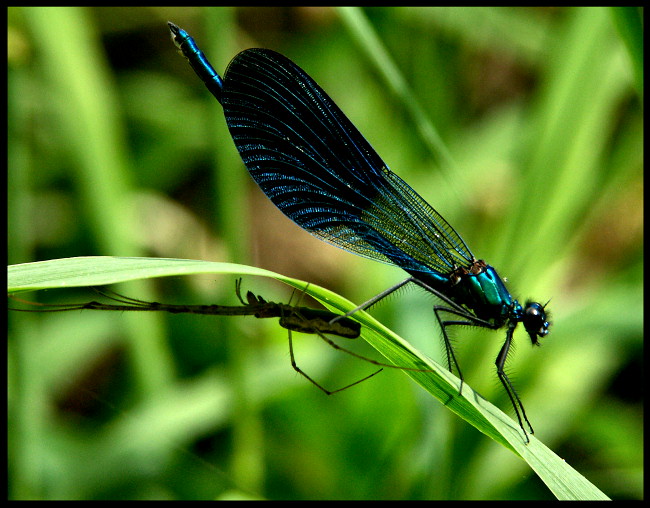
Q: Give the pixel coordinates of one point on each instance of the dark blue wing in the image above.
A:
(320, 171)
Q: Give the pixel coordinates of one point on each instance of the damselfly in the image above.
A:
(317, 168)
(292, 317)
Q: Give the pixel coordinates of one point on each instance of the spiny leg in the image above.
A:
(320, 327)
(238, 290)
(377, 298)
(507, 384)
(468, 320)
(302, 373)
(334, 345)
(449, 349)
(365, 358)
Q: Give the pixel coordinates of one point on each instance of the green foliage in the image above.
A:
(116, 149)
(564, 482)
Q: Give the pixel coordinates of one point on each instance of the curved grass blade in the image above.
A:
(564, 481)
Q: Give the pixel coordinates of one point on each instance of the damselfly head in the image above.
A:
(536, 321)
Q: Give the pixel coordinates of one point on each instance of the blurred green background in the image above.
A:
(116, 148)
